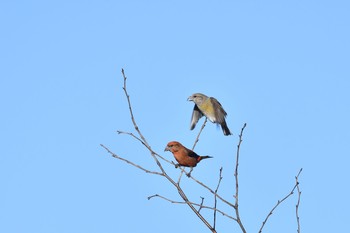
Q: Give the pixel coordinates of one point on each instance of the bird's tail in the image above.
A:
(204, 157)
(225, 129)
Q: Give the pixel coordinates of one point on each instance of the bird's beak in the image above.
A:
(190, 98)
(167, 148)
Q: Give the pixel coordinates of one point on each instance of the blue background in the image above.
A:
(280, 66)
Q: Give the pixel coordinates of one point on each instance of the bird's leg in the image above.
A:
(177, 165)
(189, 174)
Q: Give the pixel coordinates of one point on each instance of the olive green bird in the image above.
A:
(209, 107)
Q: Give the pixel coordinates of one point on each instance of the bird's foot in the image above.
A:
(189, 174)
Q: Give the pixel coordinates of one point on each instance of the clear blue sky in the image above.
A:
(280, 66)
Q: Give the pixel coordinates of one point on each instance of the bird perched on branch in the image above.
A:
(185, 157)
(210, 108)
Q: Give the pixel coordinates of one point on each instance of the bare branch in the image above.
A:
(154, 155)
(213, 192)
(279, 202)
(184, 197)
(298, 202)
(132, 135)
(209, 189)
(236, 179)
(178, 181)
(137, 128)
(192, 203)
(144, 142)
(131, 163)
(215, 197)
(206, 187)
(130, 110)
(138, 139)
(199, 134)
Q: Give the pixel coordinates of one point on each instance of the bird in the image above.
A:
(184, 156)
(211, 109)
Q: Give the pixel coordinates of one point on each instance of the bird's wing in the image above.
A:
(196, 115)
(220, 113)
(192, 154)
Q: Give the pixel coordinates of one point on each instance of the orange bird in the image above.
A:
(185, 157)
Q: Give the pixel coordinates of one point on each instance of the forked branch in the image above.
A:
(282, 200)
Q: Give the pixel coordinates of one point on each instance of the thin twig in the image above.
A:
(298, 202)
(131, 163)
(138, 139)
(199, 134)
(213, 192)
(279, 202)
(239, 221)
(184, 197)
(192, 203)
(178, 181)
(144, 142)
(143, 139)
(130, 110)
(132, 135)
(209, 189)
(215, 197)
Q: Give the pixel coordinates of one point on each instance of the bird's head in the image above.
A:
(172, 146)
(197, 98)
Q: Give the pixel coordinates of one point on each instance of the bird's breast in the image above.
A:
(208, 110)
